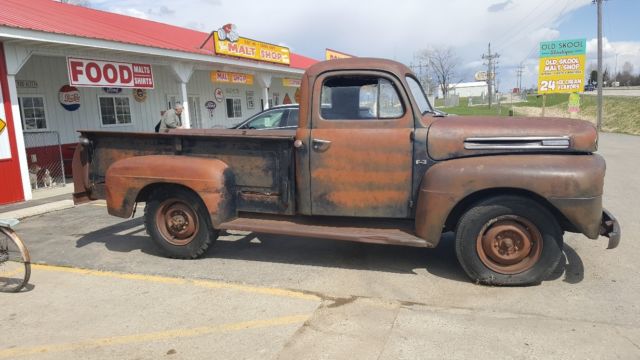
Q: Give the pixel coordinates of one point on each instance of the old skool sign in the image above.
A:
(99, 73)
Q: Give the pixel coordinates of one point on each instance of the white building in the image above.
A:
(469, 89)
(39, 40)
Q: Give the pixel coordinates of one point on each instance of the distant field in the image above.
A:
(621, 114)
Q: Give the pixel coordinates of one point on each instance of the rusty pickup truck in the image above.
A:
(370, 161)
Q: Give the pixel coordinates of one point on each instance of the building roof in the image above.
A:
(65, 19)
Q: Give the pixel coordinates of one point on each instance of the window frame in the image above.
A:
(226, 105)
(391, 80)
(113, 96)
(44, 107)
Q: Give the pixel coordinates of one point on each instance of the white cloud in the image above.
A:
(379, 28)
(614, 54)
(131, 12)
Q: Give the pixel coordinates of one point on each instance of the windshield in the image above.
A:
(418, 95)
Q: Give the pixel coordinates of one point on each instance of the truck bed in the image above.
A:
(262, 161)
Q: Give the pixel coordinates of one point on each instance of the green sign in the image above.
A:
(563, 48)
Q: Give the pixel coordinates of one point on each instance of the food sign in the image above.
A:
(562, 66)
(110, 74)
(227, 42)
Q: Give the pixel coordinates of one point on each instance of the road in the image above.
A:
(617, 91)
(103, 291)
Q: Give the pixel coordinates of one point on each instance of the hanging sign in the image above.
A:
(291, 82)
(98, 73)
(139, 95)
(250, 99)
(210, 105)
(5, 148)
(562, 66)
(69, 98)
(112, 90)
(218, 94)
(332, 54)
(231, 77)
(26, 84)
(227, 42)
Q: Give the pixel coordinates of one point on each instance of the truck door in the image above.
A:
(360, 146)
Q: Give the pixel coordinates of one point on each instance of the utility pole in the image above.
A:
(600, 75)
(519, 76)
(490, 72)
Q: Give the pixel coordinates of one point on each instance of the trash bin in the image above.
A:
(510, 112)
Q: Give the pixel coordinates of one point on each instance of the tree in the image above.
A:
(443, 62)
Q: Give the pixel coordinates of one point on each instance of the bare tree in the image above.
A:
(443, 62)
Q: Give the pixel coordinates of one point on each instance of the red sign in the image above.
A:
(98, 73)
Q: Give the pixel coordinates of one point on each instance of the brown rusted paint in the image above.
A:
(447, 135)
(557, 178)
(177, 221)
(209, 178)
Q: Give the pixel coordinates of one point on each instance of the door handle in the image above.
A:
(321, 145)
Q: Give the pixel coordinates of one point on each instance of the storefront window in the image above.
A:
(234, 108)
(32, 110)
(115, 110)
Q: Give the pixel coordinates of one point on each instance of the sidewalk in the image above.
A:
(43, 201)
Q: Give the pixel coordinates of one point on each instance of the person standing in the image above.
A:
(172, 118)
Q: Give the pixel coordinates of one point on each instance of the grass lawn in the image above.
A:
(621, 113)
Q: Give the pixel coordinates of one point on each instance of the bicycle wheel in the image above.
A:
(15, 263)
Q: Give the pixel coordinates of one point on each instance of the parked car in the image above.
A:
(589, 87)
(280, 117)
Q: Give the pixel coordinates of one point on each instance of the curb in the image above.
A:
(37, 210)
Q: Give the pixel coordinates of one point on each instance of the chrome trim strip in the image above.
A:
(517, 142)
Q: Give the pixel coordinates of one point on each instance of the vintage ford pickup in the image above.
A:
(370, 161)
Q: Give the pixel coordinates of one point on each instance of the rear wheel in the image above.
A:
(178, 222)
(508, 240)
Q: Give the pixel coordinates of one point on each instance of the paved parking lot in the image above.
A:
(103, 291)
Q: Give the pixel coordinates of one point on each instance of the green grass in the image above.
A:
(621, 114)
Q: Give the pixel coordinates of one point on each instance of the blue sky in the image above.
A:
(400, 29)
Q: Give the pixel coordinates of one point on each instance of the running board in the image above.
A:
(376, 231)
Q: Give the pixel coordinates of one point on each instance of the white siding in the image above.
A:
(51, 74)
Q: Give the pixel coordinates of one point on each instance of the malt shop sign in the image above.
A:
(112, 74)
(227, 42)
(562, 64)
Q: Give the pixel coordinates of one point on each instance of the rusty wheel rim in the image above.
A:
(177, 221)
(509, 244)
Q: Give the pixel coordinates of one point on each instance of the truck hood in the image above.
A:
(462, 136)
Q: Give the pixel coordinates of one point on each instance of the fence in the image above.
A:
(44, 156)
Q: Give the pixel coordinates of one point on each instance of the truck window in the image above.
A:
(418, 95)
(360, 97)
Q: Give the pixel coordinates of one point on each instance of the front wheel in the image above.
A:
(15, 263)
(178, 222)
(508, 240)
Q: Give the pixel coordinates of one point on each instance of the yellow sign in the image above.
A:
(291, 82)
(251, 49)
(561, 74)
(332, 54)
(231, 77)
(2, 125)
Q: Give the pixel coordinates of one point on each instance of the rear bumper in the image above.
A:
(610, 228)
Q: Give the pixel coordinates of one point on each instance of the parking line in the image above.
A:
(153, 336)
(211, 284)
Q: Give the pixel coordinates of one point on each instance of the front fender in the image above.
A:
(571, 183)
(211, 179)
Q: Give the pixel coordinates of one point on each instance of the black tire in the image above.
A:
(190, 233)
(508, 240)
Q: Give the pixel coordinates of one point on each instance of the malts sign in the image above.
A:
(99, 73)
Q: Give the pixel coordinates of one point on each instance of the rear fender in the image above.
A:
(211, 179)
(571, 184)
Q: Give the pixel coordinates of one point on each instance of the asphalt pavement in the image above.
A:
(102, 290)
